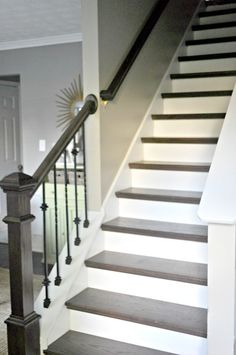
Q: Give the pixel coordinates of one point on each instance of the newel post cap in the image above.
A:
(18, 181)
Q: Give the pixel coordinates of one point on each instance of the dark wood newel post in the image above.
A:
(23, 323)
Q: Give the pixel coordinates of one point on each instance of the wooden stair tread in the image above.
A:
(160, 195)
(180, 140)
(176, 166)
(212, 74)
(142, 310)
(217, 12)
(188, 116)
(211, 26)
(175, 270)
(195, 42)
(155, 228)
(75, 343)
(189, 58)
(219, 2)
(188, 94)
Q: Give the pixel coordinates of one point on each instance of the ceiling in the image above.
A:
(27, 23)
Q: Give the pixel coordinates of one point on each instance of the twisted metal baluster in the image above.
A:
(86, 221)
(76, 219)
(46, 281)
(68, 257)
(58, 277)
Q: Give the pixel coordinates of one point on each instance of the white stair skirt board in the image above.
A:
(196, 105)
(196, 66)
(169, 180)
(156, 247)
(188, 128)
(163, 211)
(215, 32)
(217, 19)
(149, 287)
(211, 48)
(138, 334)
(204, 84)
(179, 152)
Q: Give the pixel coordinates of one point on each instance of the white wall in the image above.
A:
(43, 72)
(119, 22)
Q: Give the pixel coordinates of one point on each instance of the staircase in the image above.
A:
(147, 290)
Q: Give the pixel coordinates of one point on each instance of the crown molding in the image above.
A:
(41, 41)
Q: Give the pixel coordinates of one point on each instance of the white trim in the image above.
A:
(41, 41)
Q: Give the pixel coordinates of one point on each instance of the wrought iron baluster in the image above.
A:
(68, 257)
(76, 219)
(58, 277)
(46, 280)
(86, 221)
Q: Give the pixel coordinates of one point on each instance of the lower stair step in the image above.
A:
(75, 343)
(194, 273)
(193, 197)
(159, 229)
(159, 314)
(176, 166)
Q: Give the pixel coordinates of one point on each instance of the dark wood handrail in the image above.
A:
(89, 107)
(110, 92)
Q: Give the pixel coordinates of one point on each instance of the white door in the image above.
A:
(9, 136)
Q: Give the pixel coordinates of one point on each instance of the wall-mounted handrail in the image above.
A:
(110, 92)
(89, 107)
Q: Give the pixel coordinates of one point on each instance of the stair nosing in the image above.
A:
(212, 26)
(203, 41)
(213, 56)
(168, 197)
(196, 75)
(219, 2)
(194, 116)
(134, 270)
(170, 166)
(217, 13)
(179, 140)
(192, 94)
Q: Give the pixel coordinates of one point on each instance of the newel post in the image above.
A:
(23, 323)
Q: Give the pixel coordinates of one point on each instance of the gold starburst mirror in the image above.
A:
(69, 102)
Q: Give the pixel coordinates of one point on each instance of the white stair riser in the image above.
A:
(138, 334)
(164, 179)
(188, 128)
(220, 7)
(156, 247)
(211, 48)
(204, 84)
(149, 287)
(179, 152)
(196, 105)
(195, 66)
(163, 211)
(217, 19)
(215, 32)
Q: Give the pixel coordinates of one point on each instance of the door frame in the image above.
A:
(16, 84)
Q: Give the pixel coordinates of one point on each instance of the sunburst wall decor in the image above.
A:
(69, 102)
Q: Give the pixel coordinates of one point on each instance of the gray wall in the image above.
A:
(119, 21)
(43, 72)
